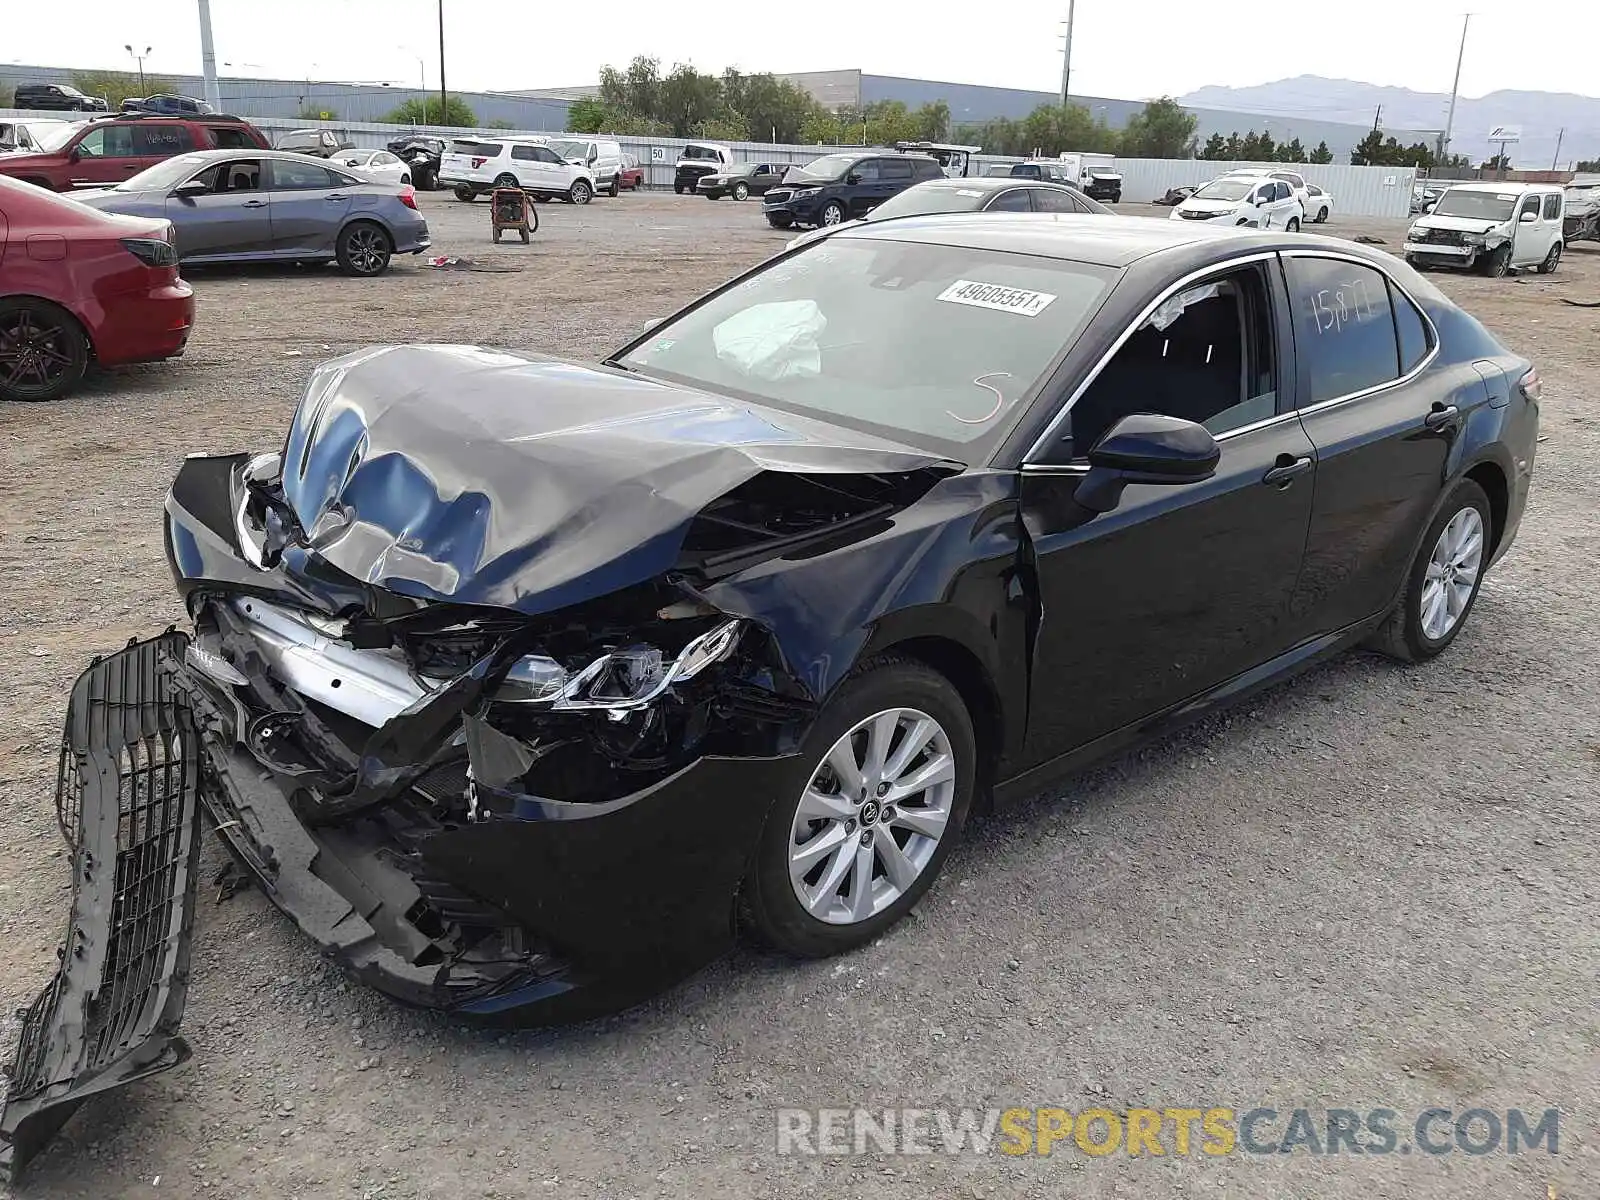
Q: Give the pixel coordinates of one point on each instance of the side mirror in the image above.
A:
(853, 177)
(1528, 218)
(75, 156)
(191, 187)
(1146, 448)
(1262, 201)
(590, 160)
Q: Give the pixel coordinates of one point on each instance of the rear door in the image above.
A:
(156, 140)
(128, 805)
(1382, 424)
(308, 205)
(233, 217)
(894, 176)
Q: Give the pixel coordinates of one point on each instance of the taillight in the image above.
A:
(408, 197)
(1532, 386)
(153, 252)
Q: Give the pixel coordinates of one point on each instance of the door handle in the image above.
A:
(254, 204)
(1287, 470)
(336, 196)
(1443, 416)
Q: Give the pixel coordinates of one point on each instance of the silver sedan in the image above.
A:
(271, 206)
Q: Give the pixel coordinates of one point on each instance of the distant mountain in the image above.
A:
(1541, 114)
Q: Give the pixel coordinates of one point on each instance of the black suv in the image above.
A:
(62, 97)
(841, 187)
(167, 105)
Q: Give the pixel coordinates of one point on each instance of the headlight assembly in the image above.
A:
(623, 681)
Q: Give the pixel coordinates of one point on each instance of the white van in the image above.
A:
(1492, 226)
(474, 165)
(603, 157)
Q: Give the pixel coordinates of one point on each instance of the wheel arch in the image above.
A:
(1491, 477)
(976, 685)
(77, 317)
(365, 218)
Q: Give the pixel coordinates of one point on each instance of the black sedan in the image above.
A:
(741, 181)
(521, 684)
(981, 194)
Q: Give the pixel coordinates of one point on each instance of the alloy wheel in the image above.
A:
(832, 214)
(368, 251)
(872, 816)
(1452, 573)
(36, 352)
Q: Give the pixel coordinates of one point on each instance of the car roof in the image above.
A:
(1076, 237)
(990, 183)
(1506, 185)
(250, 152)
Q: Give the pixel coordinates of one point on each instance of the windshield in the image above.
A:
(565, 149)
(705, 152)
(55, 137)
(1226, 189)
(1485, 206)
(929, 345)
(932, 198)
(168, 173)
(821, 170)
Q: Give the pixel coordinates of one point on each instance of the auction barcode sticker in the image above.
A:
(997, 296)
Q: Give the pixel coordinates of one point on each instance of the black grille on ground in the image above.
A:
(127, 799)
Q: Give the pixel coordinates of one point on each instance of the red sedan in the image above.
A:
(76, 286)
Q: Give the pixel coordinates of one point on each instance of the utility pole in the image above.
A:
(1450, 118)
(1066, 57)
(139, 58)
(208, 57)
(1376, 118)
(444, 99)
(1556, 157)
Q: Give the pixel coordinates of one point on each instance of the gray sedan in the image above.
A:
(265, 206)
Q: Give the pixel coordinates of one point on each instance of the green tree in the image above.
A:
(7, 96)
(500, 123)
(1292, 152)
(821, 128)
(1235, 146)
(316, 112)
(1368, 151)
(117, 86)
(933, 121)
(1585, 165)
(589, 115)
(1216, 147)
(1163, 128)
(1498, 162)
(888, 122)
(766, 108)
(1322, 154)
(456, 113)
(636, 90)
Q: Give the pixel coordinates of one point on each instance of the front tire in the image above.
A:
(43, 350)
(1294, 225)
(780, 220)
(580, 192)
(741, 191)
(1496, 265)
(881, 789)
(363, 249)
(832, 213)
(1442, 584)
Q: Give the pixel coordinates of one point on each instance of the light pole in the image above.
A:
(1450, 118)
(138, 58)
(444, 100)
(1066, 57)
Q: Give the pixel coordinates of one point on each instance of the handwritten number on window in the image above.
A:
(1346, 303)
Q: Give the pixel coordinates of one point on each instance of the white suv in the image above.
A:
(1295, 180)
(473, 166)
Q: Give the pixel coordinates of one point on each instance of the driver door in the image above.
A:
(104, 155)
(1179, 587)
(233, 217)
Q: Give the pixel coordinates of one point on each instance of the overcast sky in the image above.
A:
(1120, 49)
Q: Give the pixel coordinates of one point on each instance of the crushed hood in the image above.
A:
(482, 477)
(1460, 224)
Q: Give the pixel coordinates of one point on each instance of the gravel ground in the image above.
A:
(1372, 887)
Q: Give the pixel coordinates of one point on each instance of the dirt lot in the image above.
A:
(1372, 888)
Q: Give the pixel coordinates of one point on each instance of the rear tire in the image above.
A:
(1407, 632)
(1322, 215)
(1551, 260)
(44, 346)
(616, 187)
(923, 700)
(1293, 226)
(363, 249)
(465, 194)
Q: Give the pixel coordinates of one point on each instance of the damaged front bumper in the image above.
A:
(128, 802)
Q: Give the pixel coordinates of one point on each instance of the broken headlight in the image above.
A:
(625, 679)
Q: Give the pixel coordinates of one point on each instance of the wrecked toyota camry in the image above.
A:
(520, 685)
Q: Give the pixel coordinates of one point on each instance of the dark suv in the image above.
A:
(841, 187)
(59, 97)
(168, 105)
(107, 150)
